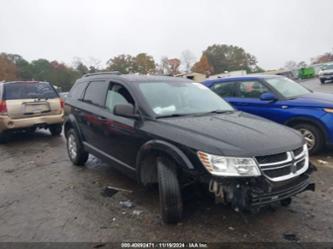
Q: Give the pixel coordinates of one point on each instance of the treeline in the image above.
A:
(214, 60)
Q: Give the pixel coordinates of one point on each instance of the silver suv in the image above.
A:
(326, 73)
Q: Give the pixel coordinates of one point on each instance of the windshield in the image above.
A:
(286, 87)
(174, 98)
(29, 90)
(328, 67)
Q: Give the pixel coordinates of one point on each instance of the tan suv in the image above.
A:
(26, 105)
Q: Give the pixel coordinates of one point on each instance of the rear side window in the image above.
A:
(77, 91)
(96, 93)
(27, 90)
(225, 89)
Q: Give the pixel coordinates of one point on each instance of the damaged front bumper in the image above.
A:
(256, 192)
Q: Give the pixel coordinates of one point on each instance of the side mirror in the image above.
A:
(126, 110)
(268, 96)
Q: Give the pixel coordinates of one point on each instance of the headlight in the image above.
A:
(229, 166)
(330, 110)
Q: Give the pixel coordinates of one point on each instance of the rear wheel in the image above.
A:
(55, 129)
(75, 149)
(171, 204)
(312, 135)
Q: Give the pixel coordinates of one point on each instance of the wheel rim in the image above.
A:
(309, 137)
(72, 146)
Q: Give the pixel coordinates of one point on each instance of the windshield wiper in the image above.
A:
(174, 115)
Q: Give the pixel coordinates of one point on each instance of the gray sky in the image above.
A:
(275, 31)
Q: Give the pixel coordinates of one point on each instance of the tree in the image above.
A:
(229, 58)
(324, 58)
(302, 64)
(122, 63)
(144, 64)
(188, 59)
(174, 65)
(7, 68)
(203, 66)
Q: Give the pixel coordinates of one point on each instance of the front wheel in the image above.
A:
(322, 81)
(312, 135)
(75, 149)
(171, 204)
(55, 129)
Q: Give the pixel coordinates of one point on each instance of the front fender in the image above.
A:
(159, 146)
(70, 121)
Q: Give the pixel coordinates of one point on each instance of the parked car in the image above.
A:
(173, 132)
(63, 95)
(26, 105)
(326, 73)
(284, 101)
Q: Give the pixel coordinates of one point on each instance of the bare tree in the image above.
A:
(188, 59)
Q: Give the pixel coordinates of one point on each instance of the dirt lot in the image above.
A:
(44, 198)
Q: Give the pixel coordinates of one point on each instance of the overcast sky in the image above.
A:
(275, 31)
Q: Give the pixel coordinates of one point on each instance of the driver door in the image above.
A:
(247, 99)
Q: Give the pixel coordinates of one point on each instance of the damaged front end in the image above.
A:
(281, 176)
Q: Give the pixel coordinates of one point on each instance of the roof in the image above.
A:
(241, 77)
(138, 78)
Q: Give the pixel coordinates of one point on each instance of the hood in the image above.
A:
(233, 134)
(326, 71)
(314, 99)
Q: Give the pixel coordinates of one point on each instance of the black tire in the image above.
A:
(55, 129)
(80, 157)
(171, 204)
(319, 138)
(3, 138)
(322, 81)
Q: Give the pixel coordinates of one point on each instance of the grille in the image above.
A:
(283, 166)
(272, 158)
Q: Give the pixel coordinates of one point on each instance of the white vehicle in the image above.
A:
(326, 73)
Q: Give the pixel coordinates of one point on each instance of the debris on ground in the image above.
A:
(126, 204)
(231, 228)
(137, 212)
(290, 237)
(322, 162)
(109, 191)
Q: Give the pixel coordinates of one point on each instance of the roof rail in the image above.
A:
(101, 73)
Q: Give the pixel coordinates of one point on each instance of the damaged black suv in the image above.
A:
(171, 131)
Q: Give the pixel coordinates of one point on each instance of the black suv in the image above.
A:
(173, 132)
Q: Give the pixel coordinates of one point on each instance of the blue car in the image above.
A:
(282, 100)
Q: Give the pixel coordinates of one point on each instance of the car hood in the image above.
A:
(314, 99)
(232, 134)
(328, 71)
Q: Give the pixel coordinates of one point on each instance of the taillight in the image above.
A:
(3, 107)
(62, 103)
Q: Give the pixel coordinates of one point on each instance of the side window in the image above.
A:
(96, 93)
(77, 91)
(251, 89)
(117, 94)
(225, 89)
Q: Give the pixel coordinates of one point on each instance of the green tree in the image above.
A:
(143, 64)
(122, 63)
(229, 58)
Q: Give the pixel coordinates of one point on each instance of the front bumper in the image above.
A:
(7, 123)
(256, 192)
(326, 77)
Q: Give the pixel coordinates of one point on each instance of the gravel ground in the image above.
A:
(44, 198)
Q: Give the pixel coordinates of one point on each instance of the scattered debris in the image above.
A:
(290, 237)
(126, 204)
(114, 219)
(231, 228)
(322, 162)
(109, 191)
(137, 212)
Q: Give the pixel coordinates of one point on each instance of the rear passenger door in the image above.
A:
(226, 90)
(90, 115)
